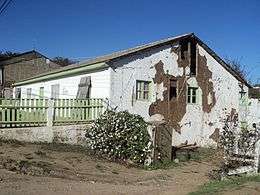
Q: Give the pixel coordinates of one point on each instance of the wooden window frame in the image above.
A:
(172, 87)
(29, 93)
(1, 76)
(84, 88)
(192, 95)
(142, 93)
(41, 93)
(55, 94)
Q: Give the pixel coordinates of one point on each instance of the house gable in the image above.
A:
(132, 51)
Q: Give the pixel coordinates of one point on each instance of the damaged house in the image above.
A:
(180, 79)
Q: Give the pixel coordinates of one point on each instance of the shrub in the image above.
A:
(120, 136)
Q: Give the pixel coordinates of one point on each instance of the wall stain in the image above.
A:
(175, 109)
(172, 110)
(204, 76)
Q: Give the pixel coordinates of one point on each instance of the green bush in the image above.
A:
(120, 136)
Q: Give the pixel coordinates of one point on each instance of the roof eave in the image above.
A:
(61, 74)
(222, 62)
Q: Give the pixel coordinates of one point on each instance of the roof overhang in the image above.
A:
(82, 69)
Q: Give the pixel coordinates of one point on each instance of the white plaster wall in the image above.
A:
(197, 126)
(100, 82)
(119, 85)
(140, 67)
(254, 112)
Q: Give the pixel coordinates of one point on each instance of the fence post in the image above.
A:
(50, 112)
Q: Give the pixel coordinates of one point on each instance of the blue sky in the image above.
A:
(83, 28)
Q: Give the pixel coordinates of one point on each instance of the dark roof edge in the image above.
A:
(134, 50)
(222, 62)
(28, 52)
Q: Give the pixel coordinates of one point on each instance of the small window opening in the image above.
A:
(1, 76)
(142, 90)
(192, 95)
(55, 91)
(173, 89)
(17, 93)
(29, 93)
(41, 94)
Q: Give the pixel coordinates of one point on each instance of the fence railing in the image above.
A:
(42, 112)
(76, 110)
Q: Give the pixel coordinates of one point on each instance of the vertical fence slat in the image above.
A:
(33, 112)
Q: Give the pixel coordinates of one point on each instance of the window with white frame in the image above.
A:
(1, 76)
(142, 90)
(41, 92)
(55, 91)
(29, 93)
(192, 95)
(17, 93)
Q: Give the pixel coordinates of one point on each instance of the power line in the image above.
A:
(4, 6)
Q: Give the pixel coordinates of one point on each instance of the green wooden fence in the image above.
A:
(34, 112)
(76, 110)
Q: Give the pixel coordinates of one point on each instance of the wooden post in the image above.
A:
(50, 112)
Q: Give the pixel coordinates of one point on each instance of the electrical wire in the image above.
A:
(4, 6)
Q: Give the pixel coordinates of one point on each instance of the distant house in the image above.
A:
(255, 91)
(179, 78)
(20, 67)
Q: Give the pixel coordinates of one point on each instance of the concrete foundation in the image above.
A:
(69, 134)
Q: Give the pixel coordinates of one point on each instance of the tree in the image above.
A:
(63, 61)
(240, 68)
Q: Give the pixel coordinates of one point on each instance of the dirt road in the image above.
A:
(51, 169)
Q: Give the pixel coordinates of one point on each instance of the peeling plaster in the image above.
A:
(204, 76)
(174, 110)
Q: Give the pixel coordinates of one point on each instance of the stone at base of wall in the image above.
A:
(69, 134)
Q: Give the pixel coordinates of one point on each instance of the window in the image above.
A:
(173, 89)
(41, 94)
(192, 95)
(142, 90)
(29, 93)
(55, 91)
(17, 93)
(84, 88)
(1, 76)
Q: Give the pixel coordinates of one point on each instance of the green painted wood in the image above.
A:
(63, 73)
(33, 112)
(8, 113)
(14, 112)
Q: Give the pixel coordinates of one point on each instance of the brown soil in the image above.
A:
(54, 169)
(252, 188)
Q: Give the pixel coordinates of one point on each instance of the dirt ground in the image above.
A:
(38, 169)
(55, 169)
(250, 188)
